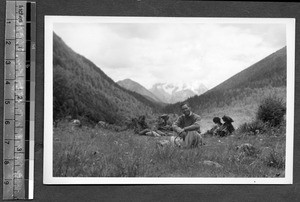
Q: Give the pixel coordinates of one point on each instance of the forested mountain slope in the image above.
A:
(247, 88)
(80, 88)
(269, 71)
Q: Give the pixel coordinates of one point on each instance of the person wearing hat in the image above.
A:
(228, 127)
(164, 126)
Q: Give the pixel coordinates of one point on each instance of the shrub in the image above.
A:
(253, 128)
(271, 111)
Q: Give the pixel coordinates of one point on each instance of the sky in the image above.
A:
(191, 53)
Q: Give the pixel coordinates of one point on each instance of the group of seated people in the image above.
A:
(164, 127)
(221, 129)
(186, 127)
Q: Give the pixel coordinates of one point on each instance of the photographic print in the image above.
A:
(149, 100)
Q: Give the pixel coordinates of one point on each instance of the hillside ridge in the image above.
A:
(81, 89)
(134, 86)
(246, 88)
(256, 71)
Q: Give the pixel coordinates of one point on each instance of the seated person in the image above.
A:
(216, 129)
(164, 126)
(141, 127)
(187, 126)
(220, 129)
(227, 126)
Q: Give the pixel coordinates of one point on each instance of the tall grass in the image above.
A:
(92, 152)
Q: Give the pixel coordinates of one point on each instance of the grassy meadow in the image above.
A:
(242, 110)
(82, 90)
(96, 152)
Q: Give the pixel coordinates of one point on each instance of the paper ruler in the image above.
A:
(19, 100)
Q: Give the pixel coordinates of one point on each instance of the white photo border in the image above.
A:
(48, 102)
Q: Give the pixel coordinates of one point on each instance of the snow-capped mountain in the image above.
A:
(172, 93)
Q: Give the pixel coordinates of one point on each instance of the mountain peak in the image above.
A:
(177, 92)
(138, 88)
(127, 80)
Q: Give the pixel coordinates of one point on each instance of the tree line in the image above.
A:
(81, 89)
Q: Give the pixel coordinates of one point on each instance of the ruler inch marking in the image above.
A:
(18, 61)
(9, 54)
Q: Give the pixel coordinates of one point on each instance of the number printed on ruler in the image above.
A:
(17, 70)
(20, 88)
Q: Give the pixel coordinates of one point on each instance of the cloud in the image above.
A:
(132, 30)
(174, 52)
(273, 35)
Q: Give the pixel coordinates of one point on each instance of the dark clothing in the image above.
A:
(141, 128)
(229, 127)
(184, 121)
(164, 126)
(214, 130)
(225, 129)
(143, 125)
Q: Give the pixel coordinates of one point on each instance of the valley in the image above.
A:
(81, 90)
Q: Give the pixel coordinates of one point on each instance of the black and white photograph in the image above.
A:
(160, 100)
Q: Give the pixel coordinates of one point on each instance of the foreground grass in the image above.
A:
(94, 152)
